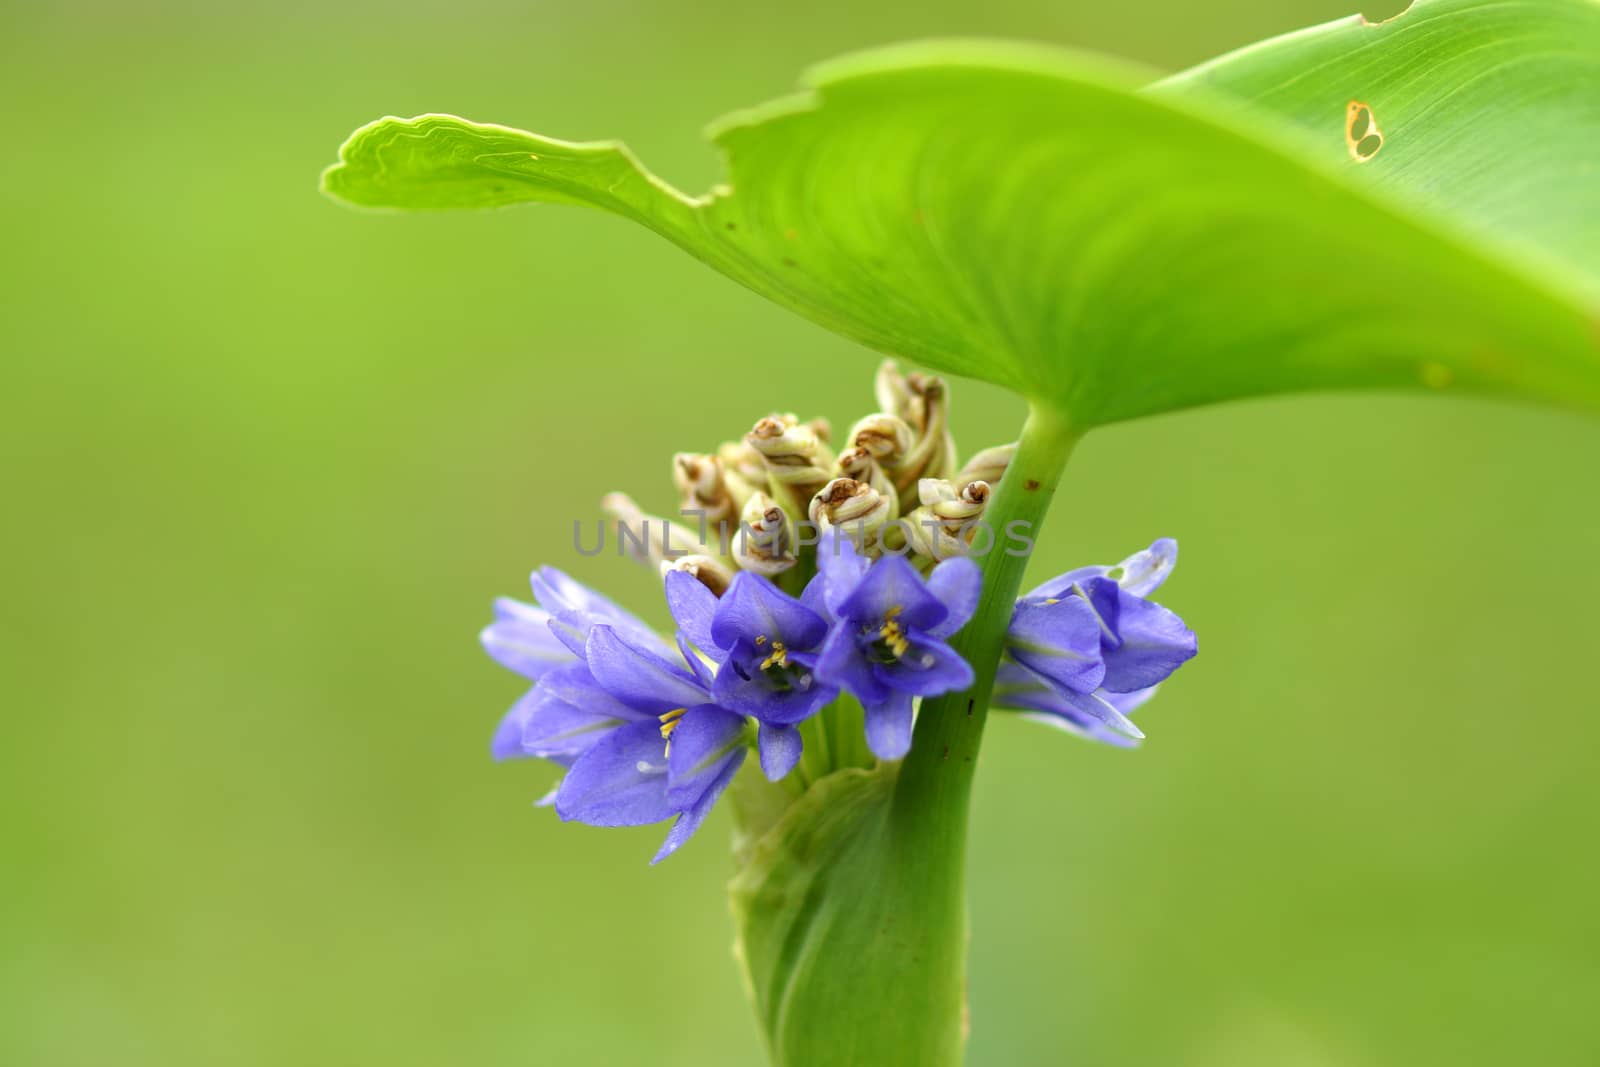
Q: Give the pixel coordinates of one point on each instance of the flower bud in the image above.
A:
(797, 462)
(857, 509)
(922, 402)
(947, 523)
(886, 438)
(710, 572)
(987, 466)
(859, 465)
(703, 489)
(765, 542)
(649, 538)
(743, 471)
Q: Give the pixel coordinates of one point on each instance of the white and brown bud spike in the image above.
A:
(798, 464)
(651, 539)
(987, 466)
(947, 523)
(703, 489)
(764, 542)
(856, 509)
(710, 572)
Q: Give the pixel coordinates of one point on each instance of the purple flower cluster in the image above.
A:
(650, 731)
(1086, 648)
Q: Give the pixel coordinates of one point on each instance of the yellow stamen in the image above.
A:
(779, 656)
(894, 635)
(669, 722)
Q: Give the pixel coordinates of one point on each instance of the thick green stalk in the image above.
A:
(936, 776)
(851, 908)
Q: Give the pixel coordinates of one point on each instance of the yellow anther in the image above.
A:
(894, 636)
(761, 639)
(669, 722)
(779, 656)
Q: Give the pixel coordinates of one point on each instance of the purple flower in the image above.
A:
(1087, 647)
(764, 643)
(672, 755)
(546, 643)
(887, 641)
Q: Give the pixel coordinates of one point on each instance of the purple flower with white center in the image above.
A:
(765, 643)
(887, 644)
(1089, 647)
(674, 753)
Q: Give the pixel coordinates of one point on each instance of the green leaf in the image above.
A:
(1489, 113)
(1024, 216)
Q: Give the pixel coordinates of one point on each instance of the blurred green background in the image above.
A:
(267, 461)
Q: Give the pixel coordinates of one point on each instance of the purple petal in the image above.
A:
(753, 607)
(704, 740)
(780, 748)
(574, 684)
(927, 669)
(702, 670)
(575, 610)
(520, 639)
(507, 741)
(842, 664)
(1059, 639)
(557, 729)
(957, 582)
(1152, 643)
(1061, 585)
(840, 567)
(621, 781)
(889, 726)
(638, 678)
(1078, 707)
(692, 606)
(1143, 572)
(815, 597)
(1128, 703)
(893, 586)
(694, 816)
(1087, 728)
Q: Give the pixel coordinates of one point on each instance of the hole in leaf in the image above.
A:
(1361, 133)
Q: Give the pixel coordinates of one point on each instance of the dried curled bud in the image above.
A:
(857, 509)
(710, 572)
(765, 541)
(703, 489)
(858, 464)
(948, 522)
(743, 471)
(922, 402)
(887, 438)
(651, 539)
(797, 462)
(987, 466)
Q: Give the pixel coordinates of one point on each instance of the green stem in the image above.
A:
(937, 774)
